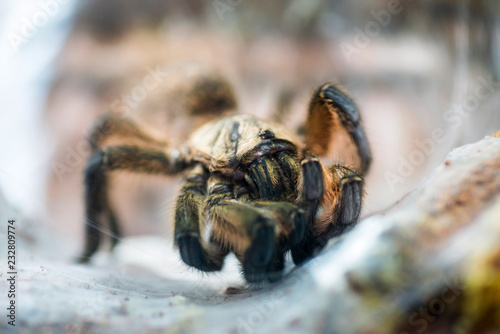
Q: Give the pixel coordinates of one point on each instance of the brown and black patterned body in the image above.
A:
(252, 188)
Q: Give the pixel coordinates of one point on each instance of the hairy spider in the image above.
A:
(252, 186)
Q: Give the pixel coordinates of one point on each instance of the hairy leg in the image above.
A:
(311, 191)
(291, 222)
(342, 204)
(242, 228)
(129, 158)
(96, 205)
(111, 128)
(290, 231)
(334, 129)
(194, 251)
(300, 182)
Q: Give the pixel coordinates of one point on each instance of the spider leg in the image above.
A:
(291, 222)
(188, 232)
(95, 205)
(241, 228)
(275, 181)
(306, 177)
(311, 191)
(111, 128)
(334, 128)
(290, 230)
(209, 95)
(275, 270)
(342, 203)
(128, 158)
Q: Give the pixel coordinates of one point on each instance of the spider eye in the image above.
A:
(266, 134)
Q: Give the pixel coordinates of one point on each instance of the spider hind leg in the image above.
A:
(99, 214)
(97, 208)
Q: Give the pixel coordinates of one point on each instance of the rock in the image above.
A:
(429, 264)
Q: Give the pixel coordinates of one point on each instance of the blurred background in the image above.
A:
(423, 73)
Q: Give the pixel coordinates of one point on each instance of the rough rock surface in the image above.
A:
(430, 264)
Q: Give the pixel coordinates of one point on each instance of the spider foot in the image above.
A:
(350, 201)
(312, 190)
(299, 224)
(194, 255)
(259, 256)
(304, 250)
(344, 105)
(275, 271)
(334, 128)
(96, 206)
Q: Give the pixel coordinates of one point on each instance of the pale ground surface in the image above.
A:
(142, 288)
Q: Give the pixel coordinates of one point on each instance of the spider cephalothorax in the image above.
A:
(253, 185)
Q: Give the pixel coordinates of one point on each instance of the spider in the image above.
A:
(252, 187)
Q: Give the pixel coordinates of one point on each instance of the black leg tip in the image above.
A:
(259, 256)
(302, 253)
(342, 102)
(254, 274)
(312, 175)
(299, 222)
(261, 251)
(193, 254)
(350, 204)
(275, 271)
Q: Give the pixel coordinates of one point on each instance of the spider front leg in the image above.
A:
(311, 189)
(334, 129)
(291, 222)
(290, 231)
(303, 184)
(241, 228)
(127, 158)
(189, 225)
(258, 232)
(332, 199)
(121, 131)
(335, 133)
(341, 205)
